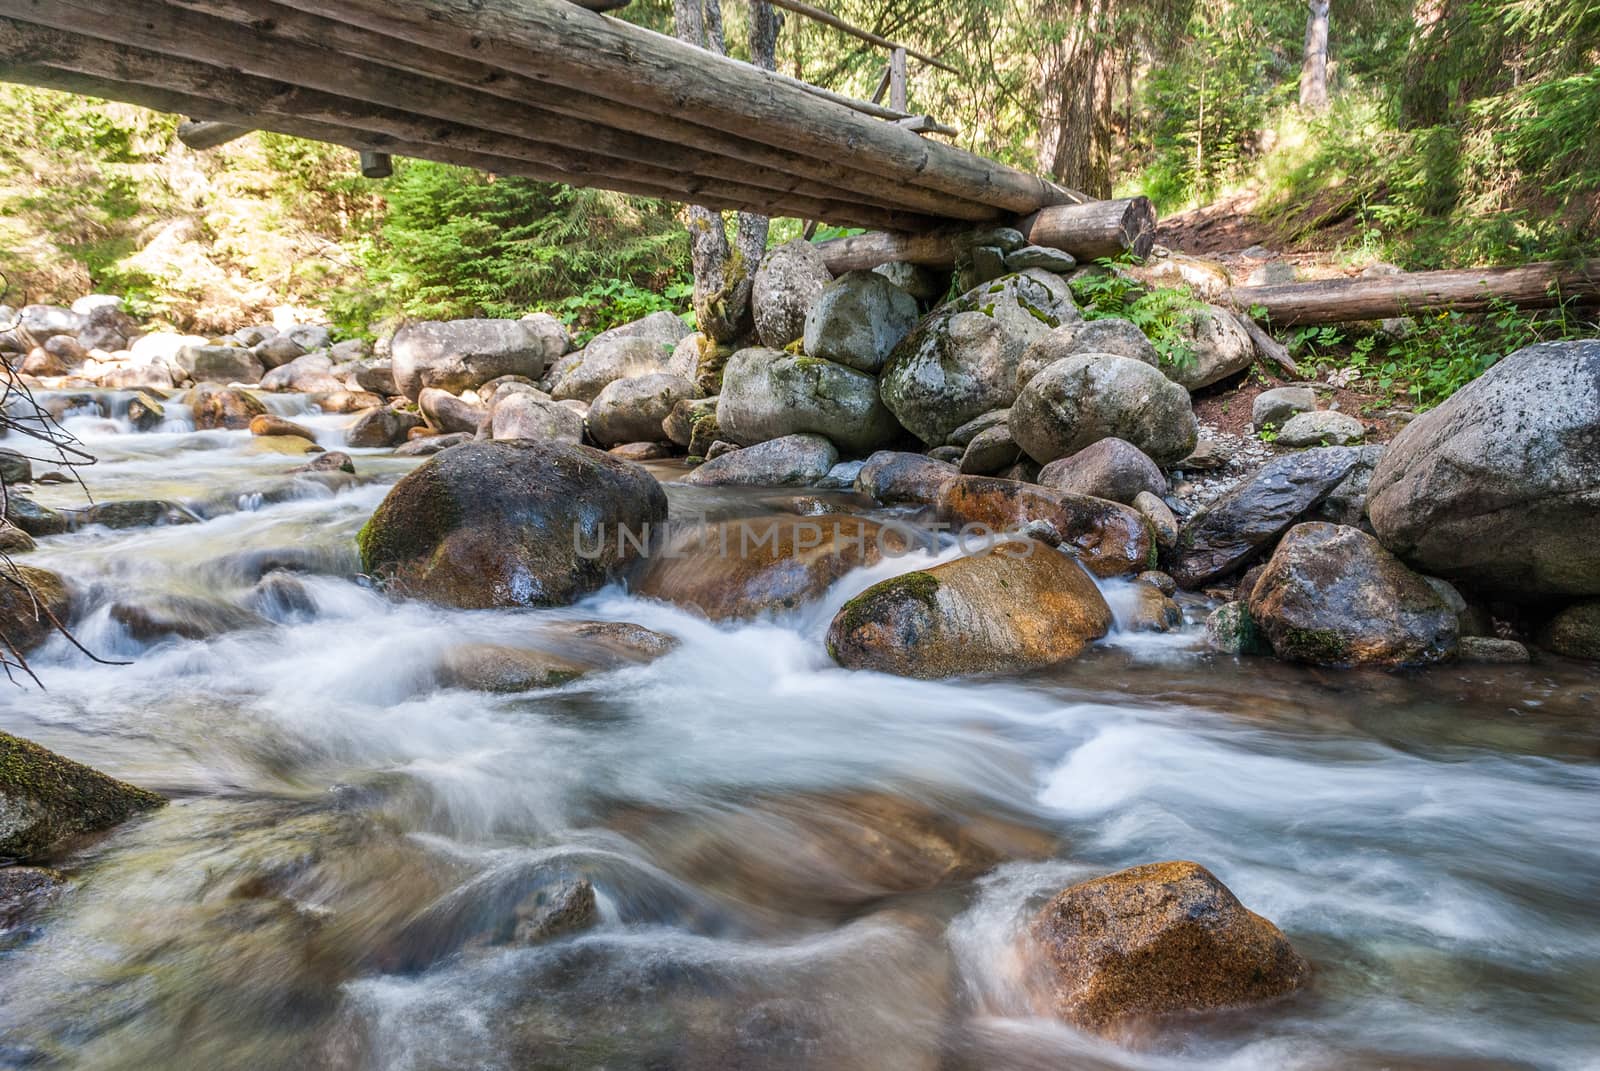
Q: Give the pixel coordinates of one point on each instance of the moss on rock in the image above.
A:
(46, 799)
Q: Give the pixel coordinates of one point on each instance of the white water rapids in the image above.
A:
(1430, 842)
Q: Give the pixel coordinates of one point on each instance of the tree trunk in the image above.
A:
(724, 275)
(1076, 80)
(1314, 68)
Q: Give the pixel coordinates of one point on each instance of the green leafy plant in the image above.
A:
(1163, 313)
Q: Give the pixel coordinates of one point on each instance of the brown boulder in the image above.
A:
(381, 427)
(220, 407)
(742, 568)
(516, 523)
(1109, 538)
(1111, 468)
(1018, 607)
(1157, 940)
(893, 477)
(28, 597)
(269, 424)
(1332, 596)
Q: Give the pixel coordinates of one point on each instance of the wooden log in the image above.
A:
(201, 136)
(556, 42)
(1465, 290)
(163, 99)
(86, 55)
(1087, 231)
(550, 104)
(376, 165)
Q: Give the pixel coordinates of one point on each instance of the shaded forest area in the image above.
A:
(1425, 134)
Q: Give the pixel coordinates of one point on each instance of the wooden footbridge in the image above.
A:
(549, 90)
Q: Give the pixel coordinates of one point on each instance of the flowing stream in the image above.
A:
(795, 866)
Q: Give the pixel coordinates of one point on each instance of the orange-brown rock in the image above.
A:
(269, 424)
(746, 567)
(1109, 538)
(223, 407)
(1015, 608)
(1157, 940)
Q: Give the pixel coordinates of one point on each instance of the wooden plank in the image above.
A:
(622, 157)
(1464, 290)
(897, 80)
(828, 18)
(556, 42)
(1087, 231)
(559, 115)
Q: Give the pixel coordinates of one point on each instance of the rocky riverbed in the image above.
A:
(923, 687)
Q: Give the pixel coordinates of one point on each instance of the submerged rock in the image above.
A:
(1332, 596)
(46, 799)
(28, 599)
(1017, 608)
(565, 651)
(1500, 485)
(135, 513)
(25, 890)
(1158, 940)
(186, 617)
(792, 461)
(515, 523)
(752, 566)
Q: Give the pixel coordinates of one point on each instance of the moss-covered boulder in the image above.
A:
(28, 598)
(1109, 538)
(1332, 596)
(767, 394)
(1018, 607)
(961, 360)
(46, 799)
(514, 523)
(1157, 940)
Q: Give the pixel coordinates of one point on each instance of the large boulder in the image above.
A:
(1217, 345)
(220, 364)
(632, 410)
(516, 523)
(46, 799)
(530, 415)
(666, 329)
(1018, 607)
(1500, 485)
(792, 461)
(1575, 631)
(1157, 940)
(29, 597)
(1082, 399)
(789, 282)
(309, 373)
(759, 565)
(1230, 532)
(961, 360)
(767, 394)
(459, 355)
(606, 360)
(1111, 468)
(1110, 539)
(1111, 335)
(859, 320)
(1332, 596)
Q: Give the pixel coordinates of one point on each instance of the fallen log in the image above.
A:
(1329, 301)
(204, 135)
(1088, 231)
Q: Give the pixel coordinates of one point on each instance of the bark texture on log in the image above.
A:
(1465, 290)
(1087, 231)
